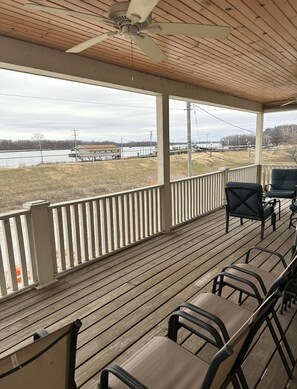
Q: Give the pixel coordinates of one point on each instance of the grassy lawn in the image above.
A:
(61, 182)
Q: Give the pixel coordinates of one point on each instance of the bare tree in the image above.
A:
(291, 143)
(39, 138)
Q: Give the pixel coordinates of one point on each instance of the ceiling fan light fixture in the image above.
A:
(130, 31)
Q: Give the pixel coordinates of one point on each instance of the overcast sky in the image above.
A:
(32, 104)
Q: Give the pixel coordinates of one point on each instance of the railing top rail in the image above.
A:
(293, 165)
(7, 215)
(243, 167)
(195, 177)
(87, 199)
(212, 173)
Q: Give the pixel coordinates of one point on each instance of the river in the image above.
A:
(14, 159)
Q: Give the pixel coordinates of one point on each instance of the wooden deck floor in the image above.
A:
(125, 299)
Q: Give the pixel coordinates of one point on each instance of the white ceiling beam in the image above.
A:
(31, 58)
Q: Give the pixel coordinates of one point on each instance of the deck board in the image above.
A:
(125, 299)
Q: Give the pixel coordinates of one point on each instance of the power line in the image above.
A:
(74, 101)
(222, 120)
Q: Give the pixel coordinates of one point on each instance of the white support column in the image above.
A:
(163, 154)
(43, 242)
(259, 144)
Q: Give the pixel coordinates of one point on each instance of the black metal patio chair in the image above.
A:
(47, 363)
(245, 201)
(257, 283)
(163, 364)
(283, 184)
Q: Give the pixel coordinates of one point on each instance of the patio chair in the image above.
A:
(162, 363)
(245, 200)
(257, 283)
(228, 316)
(47, 363)
(283, 184)
(293, 209)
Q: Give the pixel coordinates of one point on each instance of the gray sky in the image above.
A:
(34, 104)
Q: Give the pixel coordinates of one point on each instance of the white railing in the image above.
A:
(44, 240)
(90, 228)
(243, 174)
(17, 264)
(195, 196)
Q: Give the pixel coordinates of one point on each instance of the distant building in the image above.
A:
(95, 152)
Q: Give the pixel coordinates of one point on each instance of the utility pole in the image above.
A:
(75, 132)
(151, 136)
(190, 173)
(122, 147)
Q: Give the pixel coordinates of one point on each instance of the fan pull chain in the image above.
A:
(132, 61)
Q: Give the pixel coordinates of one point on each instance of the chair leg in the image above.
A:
(291, 220)
(241, 221)
(283, 337)
(227, 223)
(278, 346)
(262, 229)
(273, 221)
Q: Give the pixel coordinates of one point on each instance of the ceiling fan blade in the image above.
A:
(289, 102)
(150, 48)
(193, 30)
(63, 11)
(139, 10)
(91, 42)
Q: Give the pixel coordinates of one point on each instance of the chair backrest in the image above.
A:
(244, 199)
(285, 277)
(228, 359)
(47, 363)
(283, 179)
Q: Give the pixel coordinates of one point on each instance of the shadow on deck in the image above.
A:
(125, 299)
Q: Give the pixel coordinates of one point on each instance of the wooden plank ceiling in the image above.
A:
(256, 62)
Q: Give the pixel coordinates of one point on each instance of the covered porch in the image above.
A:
(126, 298)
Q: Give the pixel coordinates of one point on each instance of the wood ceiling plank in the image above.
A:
(258, 61)
(267, 23)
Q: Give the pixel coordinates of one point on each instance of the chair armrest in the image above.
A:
(174, 324)
(266, 251)
(122, 375)
(271, 203)
(217, 284)
(40, 334)
(295, 190)
(246, 271)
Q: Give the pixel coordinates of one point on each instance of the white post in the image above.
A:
(163, 153)
(259, 144)
(189, 139)
(42, 231)
(225, 172)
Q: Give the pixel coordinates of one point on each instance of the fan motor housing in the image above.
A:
(117, 13)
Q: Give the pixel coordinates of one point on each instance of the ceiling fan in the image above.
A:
(294, 101)
(129, 20)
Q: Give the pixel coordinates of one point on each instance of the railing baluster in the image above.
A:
(84, 231)
(104, 225)
(29, 249)
(76, 233)
(60, 238)
(21, 250)
(69, 236)
(91, 232)
(3, 288)
(10, 254)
